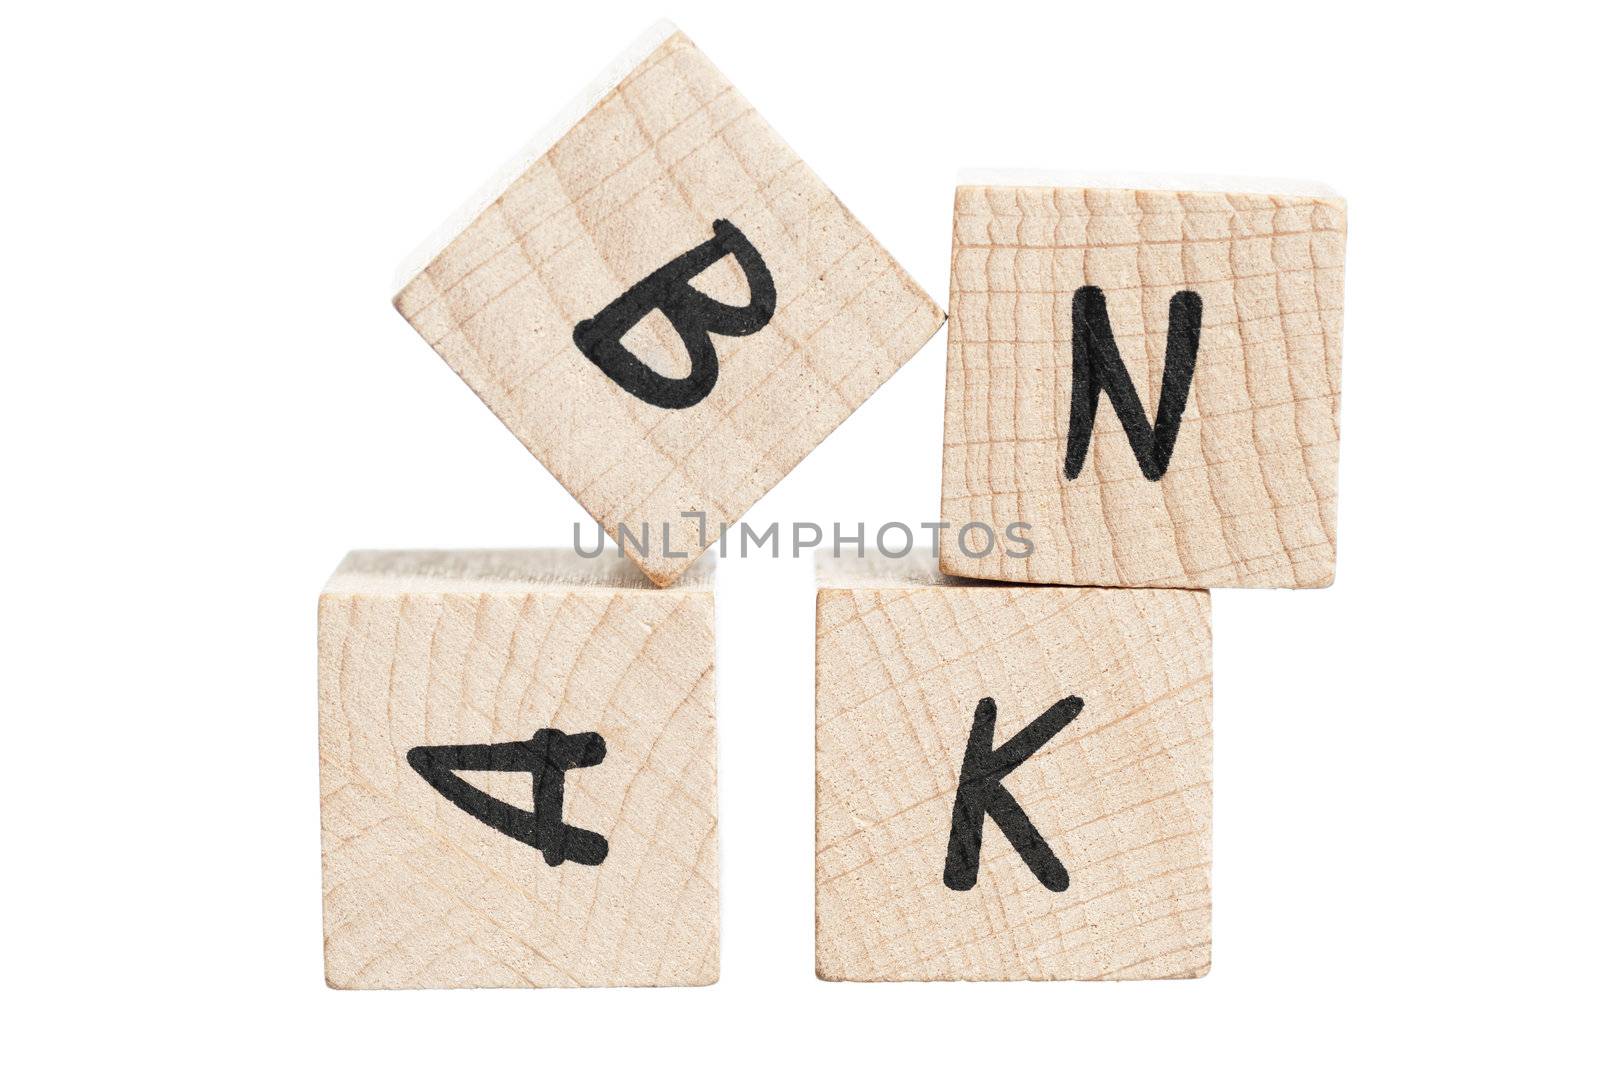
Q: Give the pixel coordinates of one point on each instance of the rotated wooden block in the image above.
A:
(1012, 782)
(1149, 380)
(518, 773)
(666, 306)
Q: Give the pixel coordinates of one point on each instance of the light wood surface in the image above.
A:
(1121, 795)
(454, 648)
(638, 181)
(1248, 497)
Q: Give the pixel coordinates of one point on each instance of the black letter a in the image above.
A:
(1097, 366)
(980, 792)
(548, 757)
(692, 314)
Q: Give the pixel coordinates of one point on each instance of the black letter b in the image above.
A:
(692, 314)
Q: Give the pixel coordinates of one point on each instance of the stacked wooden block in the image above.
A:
(671, 310)
(518, 773)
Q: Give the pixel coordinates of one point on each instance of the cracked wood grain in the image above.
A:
(1122, 795)
(1249, 496)
(635, 182)
(454, 648)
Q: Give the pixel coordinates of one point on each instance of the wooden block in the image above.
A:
(566, 303)
(1149, 379)
(1012, 782)
(518, 773)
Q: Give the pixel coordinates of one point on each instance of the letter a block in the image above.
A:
(1012, 782)
(666, 306)
(518, 773)
(1149, 380)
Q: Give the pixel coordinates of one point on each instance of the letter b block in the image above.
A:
(666, 305)
(518, 773)
(1147, 379)
(1012, 782)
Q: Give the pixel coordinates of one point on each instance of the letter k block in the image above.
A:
(1012, 782)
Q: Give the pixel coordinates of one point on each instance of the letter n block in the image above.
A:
(1149, 380)
(518, 773)
(1012, 782)
(666, 305)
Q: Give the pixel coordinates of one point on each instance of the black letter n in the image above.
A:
(980, 793)
(1097, 366)
(692, 314)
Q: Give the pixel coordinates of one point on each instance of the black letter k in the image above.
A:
(980, 792)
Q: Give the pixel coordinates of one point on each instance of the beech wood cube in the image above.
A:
(1147, 382)
(1012, 782)
(665, 304)
(518, 773)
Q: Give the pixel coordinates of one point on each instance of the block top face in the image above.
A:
(874, 569)
(521, 571)
(1101, 698)
(667, 307)
(1148, 379)
(980, 178)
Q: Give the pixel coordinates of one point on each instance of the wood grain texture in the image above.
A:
(1122, 795)
(1249, 496)
(639, 180)
(463, 648)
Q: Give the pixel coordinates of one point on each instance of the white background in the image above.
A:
(208, 399)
